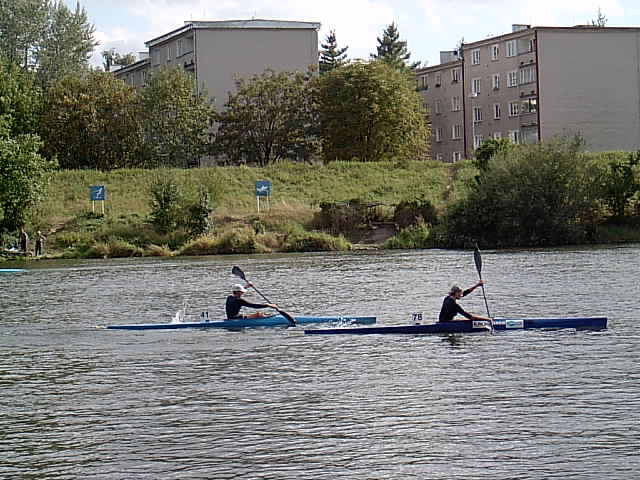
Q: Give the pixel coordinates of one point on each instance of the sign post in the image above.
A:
(263, 191)
(97, 193)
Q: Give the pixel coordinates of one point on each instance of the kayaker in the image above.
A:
(235, 302)
(450, 305)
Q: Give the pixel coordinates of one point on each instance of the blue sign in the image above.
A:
(263, 188)
(97, 192)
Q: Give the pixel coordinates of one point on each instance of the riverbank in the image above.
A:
(286, 221)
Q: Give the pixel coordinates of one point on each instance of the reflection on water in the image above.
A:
(78, 400)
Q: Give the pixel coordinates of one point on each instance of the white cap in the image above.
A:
(238, 288)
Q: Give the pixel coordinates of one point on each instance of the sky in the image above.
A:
(428, 26)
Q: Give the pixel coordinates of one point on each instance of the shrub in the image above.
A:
(410, 212)
(315, 242)
(165, 205)
(413, 236)
(158, 251)
(114, 249)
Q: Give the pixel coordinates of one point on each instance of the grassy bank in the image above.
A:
(298, 191)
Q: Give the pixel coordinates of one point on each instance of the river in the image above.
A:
(80, 401)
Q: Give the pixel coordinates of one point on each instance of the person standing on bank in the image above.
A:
(24, 241)
(40, 239)
(450, 307)
(235, 302)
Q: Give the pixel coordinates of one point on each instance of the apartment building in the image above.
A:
(441, 89)
(217, 53)
(535, 83)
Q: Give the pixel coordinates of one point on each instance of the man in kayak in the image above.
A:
(450, 305)
(235, 302)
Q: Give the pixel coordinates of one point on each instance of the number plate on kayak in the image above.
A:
(514, 323)
(481, 324)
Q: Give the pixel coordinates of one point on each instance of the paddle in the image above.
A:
(477, 258)
(239, 273)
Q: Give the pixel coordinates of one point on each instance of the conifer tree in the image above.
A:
(393, 51)
(331, 56)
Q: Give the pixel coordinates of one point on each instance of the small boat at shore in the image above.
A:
(471, 326)
(12, 270)
(274, 321)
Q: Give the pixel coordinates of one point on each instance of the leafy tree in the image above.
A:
(19, 99)
(393, 51)
(176, 119)
(23, 176)
(488, 149)
(92, 121)
(272, 116)
(530, 195)
(370, 112)
(331, 56)
(619, 182)
(22, 23)
(111, 58)
(165, 204)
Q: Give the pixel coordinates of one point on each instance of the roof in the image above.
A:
(440, 66)
(132, 67)
(254, 23)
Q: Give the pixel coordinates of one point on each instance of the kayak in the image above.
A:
(472, 326)
(275, 321)
(12, 270)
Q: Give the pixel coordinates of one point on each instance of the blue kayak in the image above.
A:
(472, 326)
(12, 270)
(275, 321)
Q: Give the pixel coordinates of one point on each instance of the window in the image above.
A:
(475, 56)
(477, 114)
(512, 79)
(455, 75)
(425, 81)
(438, 134)
(185, 45)
(438, 79)
(495, 51)
(439, 157)
(436, 107)
(155, 56)
(169, 52)
(496, 81)
(496, 111)
(477, 141)
(512, 49)
(527, 75)
(455, 104)
(514, 108)
(514, 136)
(497, 135)
(530, 105)
(456, 132)
(475, 86)
(456, 156)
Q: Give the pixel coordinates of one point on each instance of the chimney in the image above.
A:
(448, 56)
(518, 27)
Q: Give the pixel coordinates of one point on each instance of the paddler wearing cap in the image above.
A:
(450, 307)
(235, 302)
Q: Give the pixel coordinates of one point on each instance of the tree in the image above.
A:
(23, 176)
(66, 45)
(488, 149)
(273, 115)
(619, 182)
(530, 195)
(111, 58)
(22, 23)
(393, 51)
(177, 117)
(370, 112)
(19, 99)
(92, 121)
(600, 21)
(331, 56)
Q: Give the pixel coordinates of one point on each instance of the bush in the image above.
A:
(414, 236)
(315, 242)
(531, 195)
(412, 212)
(165, 205)
(114, 249)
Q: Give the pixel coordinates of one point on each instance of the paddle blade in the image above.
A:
(288, 316)
(477, 258)
(238, 273)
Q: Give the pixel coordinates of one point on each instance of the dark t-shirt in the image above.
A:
(450, 309)
(234, 304)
